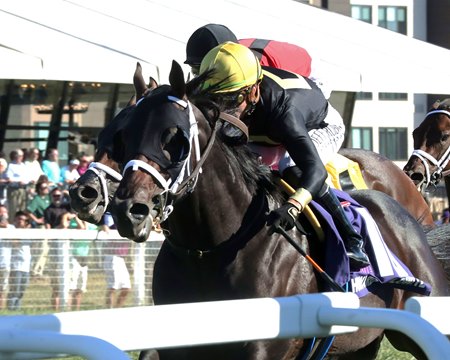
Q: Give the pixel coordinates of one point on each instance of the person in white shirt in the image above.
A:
(33, 165)
(3, 181)
(69, 173)
(18, 178)
(19, 276)
(5, 256)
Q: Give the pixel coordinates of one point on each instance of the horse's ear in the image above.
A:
(132, 101)
(176, 80)
(140, 87)
(152, 84)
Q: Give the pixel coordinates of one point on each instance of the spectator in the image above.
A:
(53, 217)
(50, 167)
(78, 261)
(33, 165)
(43, 178)
(117, 275)
(3, 181)
(35, 211)
(85, 160)
(40, 202)
(19, 277)
(445, 217)
(5, 256)
(18, 178)
(69, 173)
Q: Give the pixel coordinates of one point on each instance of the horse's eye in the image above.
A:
(175, 145)
(445, 137)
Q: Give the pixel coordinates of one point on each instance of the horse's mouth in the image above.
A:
(92, 214)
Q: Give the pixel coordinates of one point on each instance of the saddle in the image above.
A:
(344, 174)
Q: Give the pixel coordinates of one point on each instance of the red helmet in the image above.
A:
(204, 39)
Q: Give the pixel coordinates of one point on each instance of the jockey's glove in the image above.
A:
(287, 214)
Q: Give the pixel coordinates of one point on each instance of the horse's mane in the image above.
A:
(441, 105)
(256, 175)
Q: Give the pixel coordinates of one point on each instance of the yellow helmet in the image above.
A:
(235, 67)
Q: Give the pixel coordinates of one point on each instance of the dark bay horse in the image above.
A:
(381, 174)
(213, 198)
(429, 162)
(93, 191)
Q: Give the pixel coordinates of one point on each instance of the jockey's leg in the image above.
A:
(354, 243)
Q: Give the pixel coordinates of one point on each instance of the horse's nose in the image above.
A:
(86, 188)
(416, 177)
(87, 192)
(138, 211)
(414, 165)
(132, 218)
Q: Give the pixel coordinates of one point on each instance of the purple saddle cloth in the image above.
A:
(386, 268)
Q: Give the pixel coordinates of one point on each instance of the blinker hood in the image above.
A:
(156, 118)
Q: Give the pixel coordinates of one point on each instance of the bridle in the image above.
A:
(95, 167)
(187, 178)
(433, 178)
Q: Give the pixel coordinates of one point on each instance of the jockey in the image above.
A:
(290, 123)
(204, 39)
(208, 36)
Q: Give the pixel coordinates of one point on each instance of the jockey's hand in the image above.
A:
(284, 217)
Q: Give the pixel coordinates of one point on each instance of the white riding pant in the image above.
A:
(327, 141)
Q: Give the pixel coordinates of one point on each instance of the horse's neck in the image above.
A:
(214, 211)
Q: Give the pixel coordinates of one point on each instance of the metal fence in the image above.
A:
(53, 269)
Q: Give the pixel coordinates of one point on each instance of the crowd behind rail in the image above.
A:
(53, 274)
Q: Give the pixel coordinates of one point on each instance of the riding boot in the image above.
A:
(353, 242)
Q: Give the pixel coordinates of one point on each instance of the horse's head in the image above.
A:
(93, 191)
(153, 147)
(171, 147)
(431, 154)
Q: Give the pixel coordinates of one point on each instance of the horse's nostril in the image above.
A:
(416, 177)
(88, 192)
(139, 211)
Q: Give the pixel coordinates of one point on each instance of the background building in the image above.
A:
(60, 86)
(384, 121)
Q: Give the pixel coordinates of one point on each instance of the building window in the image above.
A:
(361, 138)
(63, 146)
(393, 96)
(393, 143)
(362, 95)
(362, 12)
(392, 18)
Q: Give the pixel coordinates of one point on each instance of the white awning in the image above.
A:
(101, 41)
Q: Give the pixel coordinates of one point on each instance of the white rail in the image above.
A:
(218, 322)
(75, 234)
(435, 310)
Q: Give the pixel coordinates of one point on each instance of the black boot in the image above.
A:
(352, 240)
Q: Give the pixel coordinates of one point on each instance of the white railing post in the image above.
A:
(139, 273)
(435, 345)
(66, 273)
(434, 309)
